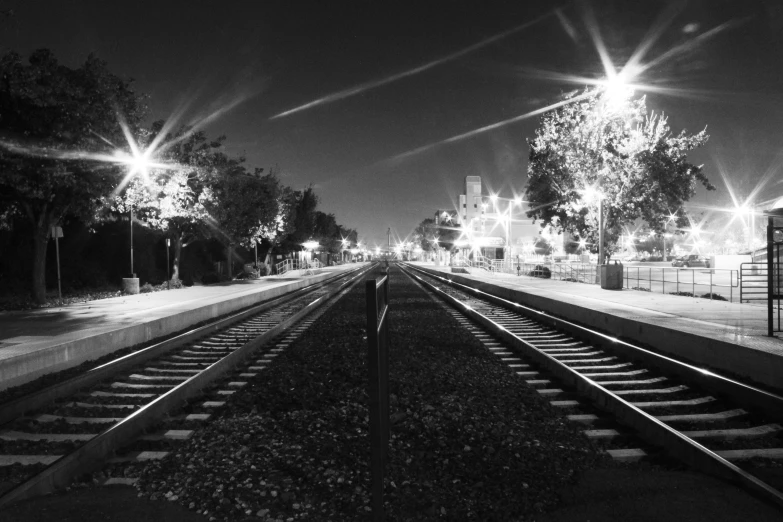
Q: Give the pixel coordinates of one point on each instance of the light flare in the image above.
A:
(362, 87)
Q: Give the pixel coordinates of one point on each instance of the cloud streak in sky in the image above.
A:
(352, 91)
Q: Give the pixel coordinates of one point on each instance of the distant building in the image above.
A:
(487, 222)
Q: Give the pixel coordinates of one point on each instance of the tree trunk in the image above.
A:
(229, 256)
(40, 242)
(177, 256)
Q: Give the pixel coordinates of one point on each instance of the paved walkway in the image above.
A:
(712, 324)
(54, 338)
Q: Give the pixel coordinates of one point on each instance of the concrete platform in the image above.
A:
(730, 338)
(37, 342)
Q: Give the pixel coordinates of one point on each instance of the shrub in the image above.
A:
(541, 271)
(146, 288)
(570, 279)
(210, 278)
(684, 294)
(175, 283)
(714, 297)
(641, 288)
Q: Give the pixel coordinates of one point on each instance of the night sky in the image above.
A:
(273, 57)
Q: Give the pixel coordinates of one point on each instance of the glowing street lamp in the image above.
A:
(139, 162)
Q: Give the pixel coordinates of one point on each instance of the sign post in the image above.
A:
(57, 233)
(168, 264)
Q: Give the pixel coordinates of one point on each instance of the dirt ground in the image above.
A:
(602, 495)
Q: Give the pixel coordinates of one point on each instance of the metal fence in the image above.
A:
(377, 299)
(709, 283)
(289, 265)
(697, 282)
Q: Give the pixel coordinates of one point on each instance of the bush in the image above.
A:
(210, 278)
(541, 271)
(684, 294)
(175, 283)
(714, 297)
(641, 288)
(146, 288)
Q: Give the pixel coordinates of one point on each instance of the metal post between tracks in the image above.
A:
(377, 299)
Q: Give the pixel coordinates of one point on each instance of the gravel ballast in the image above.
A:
(469, 439)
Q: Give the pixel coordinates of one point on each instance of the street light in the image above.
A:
(507, 221)
(139, 162)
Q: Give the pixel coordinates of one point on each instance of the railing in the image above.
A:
(683, 280)
(754, 282)
(695, 281)
(377, 299)
(286, 265)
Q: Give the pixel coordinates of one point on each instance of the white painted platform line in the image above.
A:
(550, 391)
(213, 404)
(226, 392)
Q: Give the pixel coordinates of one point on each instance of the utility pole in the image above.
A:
(388, 239)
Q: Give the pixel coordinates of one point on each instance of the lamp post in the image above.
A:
(507, 219)
(168, 264)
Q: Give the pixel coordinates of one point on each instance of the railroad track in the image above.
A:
(625, 394)
(51, 436)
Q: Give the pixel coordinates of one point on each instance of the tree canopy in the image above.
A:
(51, 118)
(621, 153)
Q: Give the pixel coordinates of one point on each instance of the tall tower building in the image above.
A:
(471, 203)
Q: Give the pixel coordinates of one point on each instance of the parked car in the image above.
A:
(691, 261)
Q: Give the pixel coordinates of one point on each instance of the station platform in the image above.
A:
(36, 342)
(729, 338)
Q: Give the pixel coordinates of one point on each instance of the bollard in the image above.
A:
(378, 389)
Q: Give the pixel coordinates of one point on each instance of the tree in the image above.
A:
(305, 205)
(617, 149)
(173, 200)
(431, 236)
(240, 203)
(51, 118)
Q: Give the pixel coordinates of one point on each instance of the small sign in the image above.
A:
(57, 232)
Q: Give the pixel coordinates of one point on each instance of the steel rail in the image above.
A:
(748, 396)
(92, 454)
(18, 407)
(650, 428)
